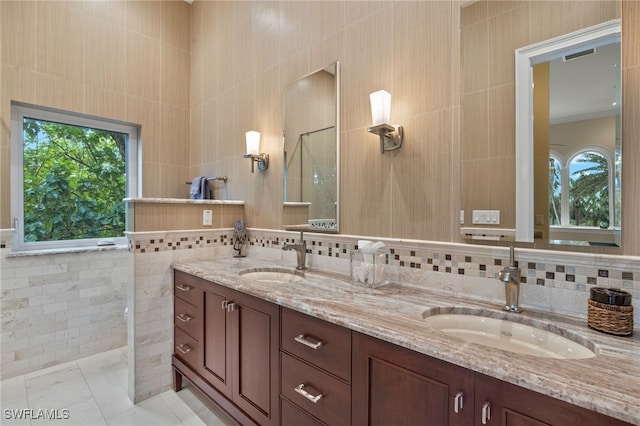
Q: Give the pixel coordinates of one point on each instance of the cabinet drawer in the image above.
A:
(333, 352)
(301, 383)
(187, 318)
(185, 347)
(187, 287)
(294, 416)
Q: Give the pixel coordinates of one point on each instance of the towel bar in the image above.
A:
(222, 178)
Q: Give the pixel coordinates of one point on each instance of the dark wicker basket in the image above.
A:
(610, 319)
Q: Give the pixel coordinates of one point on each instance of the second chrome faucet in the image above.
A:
(301, 252)
(510, 276)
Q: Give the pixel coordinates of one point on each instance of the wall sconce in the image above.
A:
(391, 136)
(253, 151)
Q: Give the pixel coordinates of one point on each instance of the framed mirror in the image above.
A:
(568, 138)
(311, 148)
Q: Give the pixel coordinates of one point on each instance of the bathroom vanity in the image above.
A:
(322, 351)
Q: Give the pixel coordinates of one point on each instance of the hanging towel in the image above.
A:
(196, 187)
(204, 189)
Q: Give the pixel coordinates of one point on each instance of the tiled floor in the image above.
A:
(94, 391)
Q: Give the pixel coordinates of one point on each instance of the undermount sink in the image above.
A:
(509, 336)
(273, 275)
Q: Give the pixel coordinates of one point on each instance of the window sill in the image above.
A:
(66, 250)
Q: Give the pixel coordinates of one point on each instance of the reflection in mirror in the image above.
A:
(568, 158)
(311, 151)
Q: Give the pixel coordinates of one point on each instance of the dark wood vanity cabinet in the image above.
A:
(268, 365)
(511, 405)
(234, 358)
(315, 371)
(394, 385)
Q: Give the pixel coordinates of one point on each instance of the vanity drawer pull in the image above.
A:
(184, 317)
(305, 341)
(184, 287)
(184, 348)
(313, 398)
(458, 402)
(486, 412)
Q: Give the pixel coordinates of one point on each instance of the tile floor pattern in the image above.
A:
(94, 391)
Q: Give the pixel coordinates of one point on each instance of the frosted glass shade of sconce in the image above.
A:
(253, 142)
(380, 107)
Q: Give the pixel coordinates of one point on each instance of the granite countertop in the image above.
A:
(608, 383)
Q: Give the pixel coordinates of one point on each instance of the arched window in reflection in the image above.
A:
(579, 190)
(589, 190)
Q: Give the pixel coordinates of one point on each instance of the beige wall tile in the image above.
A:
(174, 76)
(112, 11)
(60, 40)
(507, 32)
(144, 17)
(176, 21)
(105, 57)
(630, 160)
(56, 92)
(630, 34)
(142, 66)
(105, 103)
(474, 56)
(17, 35)
(174, 135)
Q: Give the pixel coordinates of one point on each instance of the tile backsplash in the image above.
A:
(573, 272)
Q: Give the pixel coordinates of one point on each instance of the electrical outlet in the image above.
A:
(207, 217)
(539, 219)
(486, 217)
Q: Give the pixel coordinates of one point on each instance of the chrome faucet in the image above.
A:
(510, 276)
(301, 252)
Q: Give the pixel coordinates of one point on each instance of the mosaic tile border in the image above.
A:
(565, 276)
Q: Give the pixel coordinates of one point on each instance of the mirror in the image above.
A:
(568, 138)
(311, 147)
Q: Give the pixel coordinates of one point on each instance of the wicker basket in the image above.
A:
(610, 319)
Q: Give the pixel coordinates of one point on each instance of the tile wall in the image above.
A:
(57, 308)
(122, 60)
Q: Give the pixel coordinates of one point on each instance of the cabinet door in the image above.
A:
(511, 405)
(393, 385)
(255, 348)
(217, 358)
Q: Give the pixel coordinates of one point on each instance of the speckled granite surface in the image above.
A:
(608, 383)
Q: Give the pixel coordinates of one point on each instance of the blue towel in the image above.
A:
(197, 186)
(204, 189)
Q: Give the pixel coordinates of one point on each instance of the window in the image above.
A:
(70, 174)
(579, 192)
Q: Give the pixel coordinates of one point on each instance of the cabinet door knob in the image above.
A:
(486, 412)
(305, 341)
(231, 307)
(224, 305)
(183, 287)
(184, 348)
(458, 402)
(307, 395)
(184, 317)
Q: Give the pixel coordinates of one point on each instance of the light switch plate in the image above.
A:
(207, 217)
(486, 217)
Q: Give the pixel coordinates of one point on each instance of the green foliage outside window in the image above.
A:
(74, 182)
(589, 190)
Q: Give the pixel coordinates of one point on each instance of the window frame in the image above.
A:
(133, 169)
